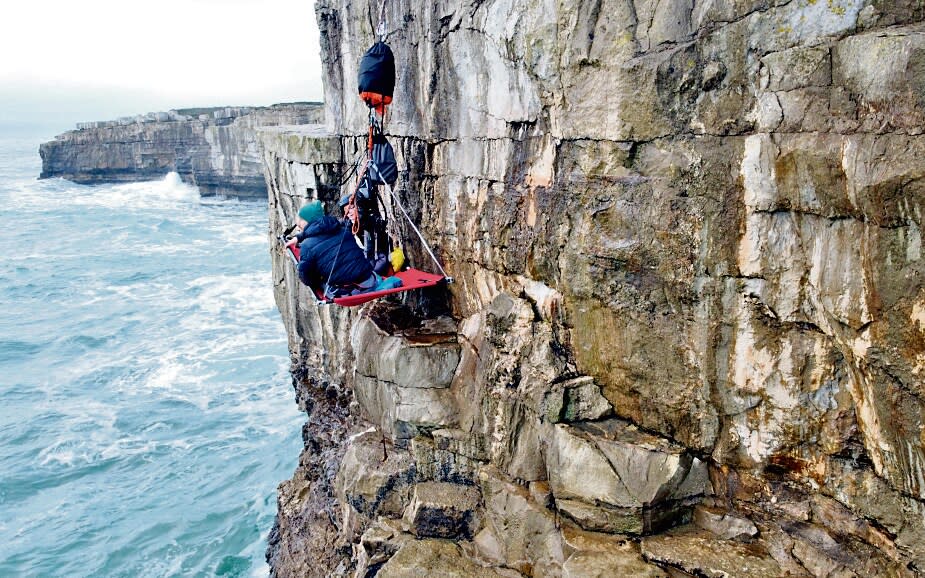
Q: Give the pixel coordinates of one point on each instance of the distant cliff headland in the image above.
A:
(213, 148)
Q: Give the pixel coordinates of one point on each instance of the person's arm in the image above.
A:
(297, 237)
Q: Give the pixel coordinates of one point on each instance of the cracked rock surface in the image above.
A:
(687, 330)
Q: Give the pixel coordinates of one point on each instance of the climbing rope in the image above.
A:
(377, 96)
(375, 127)
(427, 248)
(381, 27)
(344, 177)
(352, 203)
(327, 284)
(351, 210)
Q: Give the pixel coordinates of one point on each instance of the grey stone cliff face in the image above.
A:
(687, 335)
(215, 148)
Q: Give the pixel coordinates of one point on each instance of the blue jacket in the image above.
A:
(327, 243)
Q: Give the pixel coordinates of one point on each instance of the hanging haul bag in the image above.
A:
(376, 80)
(383, 168)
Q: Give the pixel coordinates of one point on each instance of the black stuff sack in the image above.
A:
(383, 168)
(376, 79)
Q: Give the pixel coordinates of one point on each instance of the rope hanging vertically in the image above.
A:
(417, 231)
(364, 206)
(381, 26)
(376, 84)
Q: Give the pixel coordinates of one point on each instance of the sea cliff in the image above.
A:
(213, 148)
(687, 332)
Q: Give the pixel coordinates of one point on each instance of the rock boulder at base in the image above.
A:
(442, 510)
(609, 476)
(725, 525)
(432, 558)
(701, 554)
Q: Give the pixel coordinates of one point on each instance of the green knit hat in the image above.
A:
(311, 212)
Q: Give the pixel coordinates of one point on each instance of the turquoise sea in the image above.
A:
(146, 411)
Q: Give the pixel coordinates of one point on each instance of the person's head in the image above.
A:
(310, 212)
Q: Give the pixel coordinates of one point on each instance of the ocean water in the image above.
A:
(146, 411)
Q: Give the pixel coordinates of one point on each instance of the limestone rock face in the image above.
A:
(216, 149)
(686, 244)
(377, 545)
(373, 481)
(403, 386)
(608, 476)
(601, 555)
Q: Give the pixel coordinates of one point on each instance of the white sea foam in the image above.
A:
(178, 249)
(169, 190)
(58, 456)
(165, 376)
(128, 447)
(184, 380)
(245, 295)
(184, 364)
(144, 290)
(242, 233)
(226, 348)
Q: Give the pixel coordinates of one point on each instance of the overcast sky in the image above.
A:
(73, 60)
